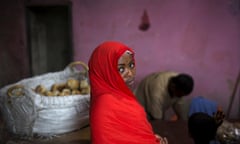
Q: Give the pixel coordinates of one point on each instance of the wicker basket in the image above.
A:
(26, 112)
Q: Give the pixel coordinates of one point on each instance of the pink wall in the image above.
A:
(201, 38)
(197, 37)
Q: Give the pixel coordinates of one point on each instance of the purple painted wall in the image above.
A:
(201, 38)
(197, 37)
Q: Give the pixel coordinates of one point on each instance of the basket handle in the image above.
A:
(73, 64)
(11, 89)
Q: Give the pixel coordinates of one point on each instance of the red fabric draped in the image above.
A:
(115, 115)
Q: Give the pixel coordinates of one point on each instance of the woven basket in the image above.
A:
(27, 113)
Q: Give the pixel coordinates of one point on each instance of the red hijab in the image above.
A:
(115, 115)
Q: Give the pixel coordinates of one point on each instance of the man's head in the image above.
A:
(202, 127)
(180, 85)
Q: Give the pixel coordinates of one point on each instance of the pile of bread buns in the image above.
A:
(70, 87)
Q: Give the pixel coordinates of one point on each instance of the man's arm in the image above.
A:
(181, 107)
(155, 107)
(156, 110)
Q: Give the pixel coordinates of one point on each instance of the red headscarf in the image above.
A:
(115, 115)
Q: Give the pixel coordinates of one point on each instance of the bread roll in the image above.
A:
(76, 92)
(73, 84)
(84, 84)
(65, 92)
(58, 87)
(40, 89)
(48, 93)
(85, 90)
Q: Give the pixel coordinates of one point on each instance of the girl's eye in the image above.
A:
(132, 65)
(121, 69)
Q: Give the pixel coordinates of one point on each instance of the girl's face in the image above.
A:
(126, 68)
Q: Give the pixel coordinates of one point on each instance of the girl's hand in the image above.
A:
(162, 140)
